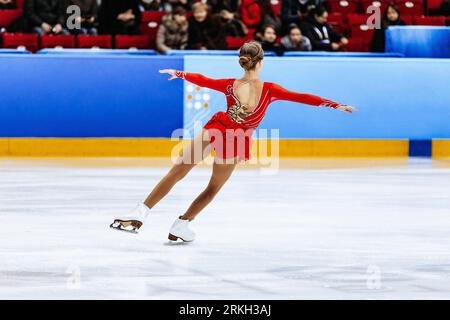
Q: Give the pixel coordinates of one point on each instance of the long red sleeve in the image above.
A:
(202, 81)
(280, 93)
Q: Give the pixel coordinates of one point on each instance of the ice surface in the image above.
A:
(370, 231)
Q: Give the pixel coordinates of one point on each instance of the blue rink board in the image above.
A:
(396, 98)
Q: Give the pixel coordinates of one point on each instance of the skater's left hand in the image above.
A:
(172, 73)
(346, 108)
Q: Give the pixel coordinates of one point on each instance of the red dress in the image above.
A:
(231, 131)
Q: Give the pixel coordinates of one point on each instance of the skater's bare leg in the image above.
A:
(195, 152)
(220, 174)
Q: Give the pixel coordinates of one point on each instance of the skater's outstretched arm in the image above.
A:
(198, 79)
(280, 93)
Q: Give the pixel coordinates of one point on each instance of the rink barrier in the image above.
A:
(163, 147)
(440, 148)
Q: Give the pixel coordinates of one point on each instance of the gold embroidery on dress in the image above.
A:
(237, 112)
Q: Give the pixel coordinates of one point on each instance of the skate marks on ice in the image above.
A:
(371, 233)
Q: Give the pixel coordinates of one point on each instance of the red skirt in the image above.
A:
(228, 138)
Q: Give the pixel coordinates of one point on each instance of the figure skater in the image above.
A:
(228, 133)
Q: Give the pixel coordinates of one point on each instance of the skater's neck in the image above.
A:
(251, 75)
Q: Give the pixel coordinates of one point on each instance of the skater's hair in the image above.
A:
(250, 54)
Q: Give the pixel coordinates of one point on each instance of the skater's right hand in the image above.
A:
(172, 73)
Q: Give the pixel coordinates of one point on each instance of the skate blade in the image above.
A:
(175, 238)
(119, 228)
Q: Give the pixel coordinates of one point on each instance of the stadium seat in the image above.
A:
(52, 41)
(433, 4)
(127, 42)
(358, 26)
(101, 41)
(382, 4)
(429, 21)
(235, 42)
(358, 44)
(155, 16)
(336, 20)
(8, 16)
(410, 7)
(343, 6)
(149, 25)
(15, 40)
(409, 20)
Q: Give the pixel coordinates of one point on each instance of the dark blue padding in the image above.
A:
(419, 41)
(99, 52)
(93, 96)
(420, 148)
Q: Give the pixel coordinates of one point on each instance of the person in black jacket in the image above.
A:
(45, 16)
(391, 18)
(320, 33)
(7, 4)
(293, 10)
(206, 31)
(444, 9)
(89, 16)
(120, 17)
(267, 36)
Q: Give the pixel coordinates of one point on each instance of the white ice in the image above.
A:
(363, 231)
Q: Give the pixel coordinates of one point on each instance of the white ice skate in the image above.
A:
(180, 230)
(134, 221)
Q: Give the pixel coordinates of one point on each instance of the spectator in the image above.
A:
(294, 40)
(152, 5)
(268, 39)
(320, 33)
(88, 19)
(7, 4)
(120, 17)
(205, 31)
(251, 13)
(233, 27)
(172, 4)
(268, 16)
(229, 5)
(45, 16)
(173, 31)
(293, 10)
(445, 8)
(391, 18)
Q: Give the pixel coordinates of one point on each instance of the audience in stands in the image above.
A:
(173, 31)
(45, 16)
(120, 16)
(206, 31)
(391, 18)
(89, 16)
(293, 10)
(186, 4)
(229, 5)
(7, 4)
(233, 27)
(320, 33)
(251, 13)
(153, 5)
(268, 39)
(294, 40)
(268, 15)
(445, 8)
